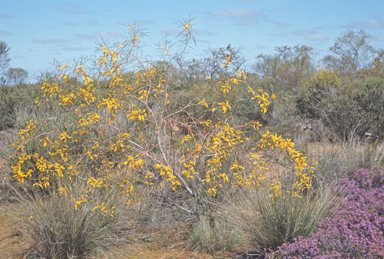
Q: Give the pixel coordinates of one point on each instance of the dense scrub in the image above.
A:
(125, 141)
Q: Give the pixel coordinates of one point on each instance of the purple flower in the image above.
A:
(354, 230)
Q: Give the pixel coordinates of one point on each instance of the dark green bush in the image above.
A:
(366, 106)
(350, 108)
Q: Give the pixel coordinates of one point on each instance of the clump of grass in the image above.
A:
(5, 170)
(342, 159)
(61, 228)
(269, 222)
(213, 234)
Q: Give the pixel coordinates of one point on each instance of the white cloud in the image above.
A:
(6, 33)
(247, 21)
(110, 35)
(372, 24)
(310, 34)
(69, 23)
(304, 32)
(234, 12)
(205, 32)
(75, 49)
(317, 37)
(281, 9)
(5, 16)
(93, 23)
(171, 32)
(242, 17)
(71, 8)
(19, 57)
(260, 46)
(144, 22)
(101, 35)
(280, 25)
(51, 41)
(378, 37)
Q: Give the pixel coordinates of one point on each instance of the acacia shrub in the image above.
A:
(119, 127)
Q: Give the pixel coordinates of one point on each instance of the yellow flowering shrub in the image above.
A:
(117, 127)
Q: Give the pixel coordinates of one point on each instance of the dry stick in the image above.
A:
(176, 173)
(159, 129)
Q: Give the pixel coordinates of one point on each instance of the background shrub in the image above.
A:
(12, 98)
(353, 107)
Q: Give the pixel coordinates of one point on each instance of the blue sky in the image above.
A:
(40, 31)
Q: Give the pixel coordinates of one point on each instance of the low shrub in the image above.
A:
(354, 230)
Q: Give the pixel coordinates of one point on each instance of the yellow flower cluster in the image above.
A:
(104, 209)
(262, 99)
(227, 61)
(220, 147)
(272, 141)
(167, 171)
(189, 170)
(109, 65)
(187, 27)
(226, 85)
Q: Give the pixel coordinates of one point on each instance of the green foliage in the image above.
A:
(15, 97)
(350, 108)
(366, 107)
(316, 92)
(16, 76)
(378, 64)
(287, 67)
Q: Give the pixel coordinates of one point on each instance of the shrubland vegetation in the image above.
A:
(245, 161)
